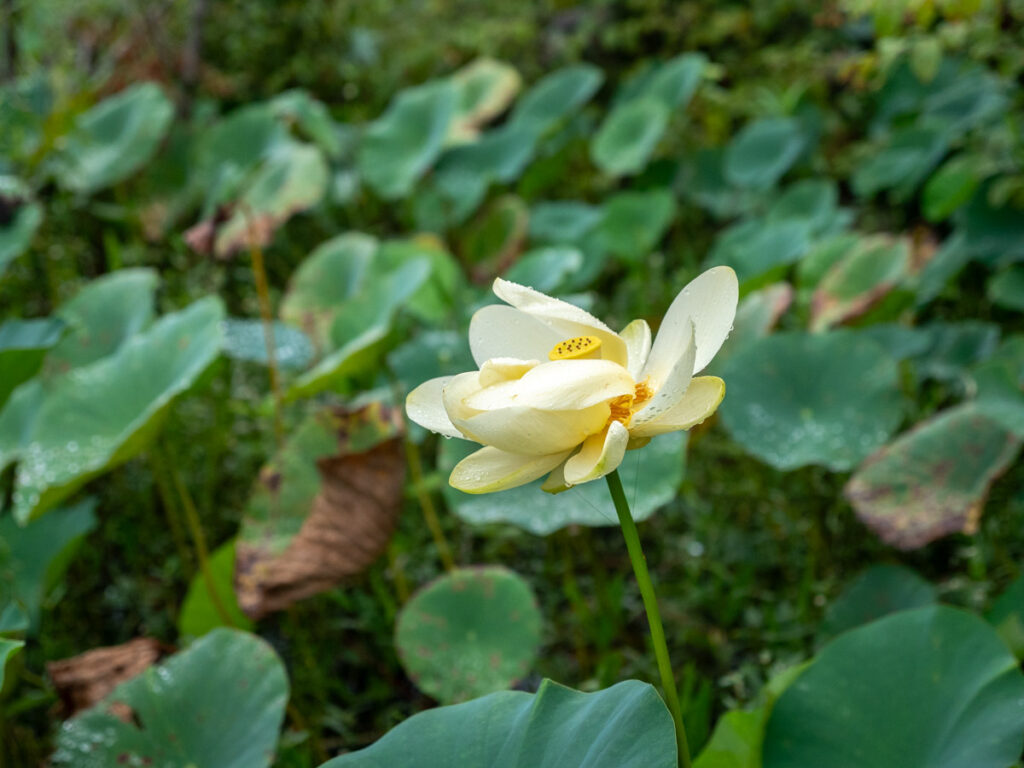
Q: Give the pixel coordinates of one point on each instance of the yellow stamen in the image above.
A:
(623, 407)
(576, 348)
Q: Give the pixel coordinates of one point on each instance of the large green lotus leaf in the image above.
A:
(900, 166)
(98, 416)
(1006, 288)
(293, 179)
(625, 726)
(930, 688)
(33, 558)
(428, 355)
(815, 201)
(220, 702)
(763, 151)
(102, 316)
(199, 614)
(496, 236)
(562, 221)
(25, 104)
(992, 234)
(932, 480)
(114, 139)
(404, 142)
(635, 222)
(624, 142)
(311, 117)
(672, 83)
(469, 633)
(556, 96)
(1007, 616)
(954, 347)
(13, 621)
(546, 269)
(331, 275)
(942, 267)
(361, 325)
(756, 316)
(651, 476)
(950, 187)
(900, 341)
(486, 87)
(797, 399)
(822, 256)
(17, 418)
(859, 280)
(757, 246)
(876, 592)
(245, 339)
(434, 300)
(998, 384)
(19, 221)
(702, 181)
(23, 345)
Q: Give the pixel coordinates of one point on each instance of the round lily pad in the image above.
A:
(796, 399)
(929, 688)
(634, 222)
(877, 592)
(624, 142)
(218, 703)
(625, 726)
(651, 476)
(555, 96)
(472, 632)
(763, 151)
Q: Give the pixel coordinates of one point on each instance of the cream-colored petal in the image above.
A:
(709, 302)
(672, 388)
(555, 482)
(566, 319)
(560, 385)
(500, 331)
(425, 406)
(534, 432)
(700, 401)
(601, 453)
(499, 369)
(490, 469)
(637, 336)
(455, 392)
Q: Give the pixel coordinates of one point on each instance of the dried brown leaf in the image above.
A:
(83, 680)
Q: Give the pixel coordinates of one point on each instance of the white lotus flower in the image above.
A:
(559, 392)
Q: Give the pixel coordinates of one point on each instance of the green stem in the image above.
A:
(444, 552)
(643, 579)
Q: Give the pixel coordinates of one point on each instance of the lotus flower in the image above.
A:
(560, 393)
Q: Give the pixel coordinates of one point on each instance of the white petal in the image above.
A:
(700, 401)
(500, 331)
(637, 336)
(490, 470)
(530, 431)
(709, 302)
(499, 369)
(455, 392)
(566, 319)
(560, 385)
(672, 388)
(425, 406)
(600, 454)
(555, 482)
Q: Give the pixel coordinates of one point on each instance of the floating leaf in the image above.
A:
(404, 142)
(496, 237)
(952, 185)
(562, 221)
(322, 510)
(485, 89)
(98, 416)
(905, 161)
(556, 96)
(954, 347)
(859, 280)
(23, 344)
(702, 181)
(814, 201)
(757, 246)
(545, 269)
(635, 222)
(433, 300)
(199, 613)
(756, 315)
(246, 340)
(671, 83)
(8, 648)
(1006, 288)
(797, 399)
(311, 117)
(19, 220)
(874, 593)
(469, 633)
(1007, 616)
(994, 235)
(953, 698)
(625, 726)
(84, 680)
(998, 384)
(114, 139)
(932, 480)
(102, 316)
(763, 151)
(651, 474)
(220, 702)
(33, 558)
(293, 179)
(624, 142)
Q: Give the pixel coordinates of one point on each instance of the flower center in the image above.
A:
(576, 348)
(624, 406)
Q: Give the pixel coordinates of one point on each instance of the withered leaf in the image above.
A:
(323, 510)
(83, 680)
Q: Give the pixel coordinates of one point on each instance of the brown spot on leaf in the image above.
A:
(83, 680)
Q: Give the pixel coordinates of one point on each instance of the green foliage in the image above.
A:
(877, 592)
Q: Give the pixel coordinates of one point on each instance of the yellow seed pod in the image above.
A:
(576, 348)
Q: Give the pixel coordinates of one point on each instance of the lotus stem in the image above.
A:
(643, 579)
(412, 457)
